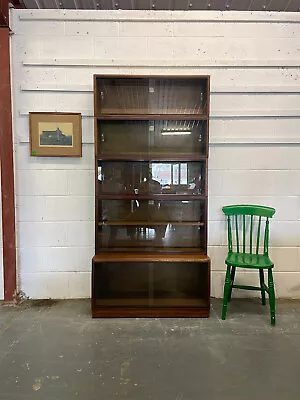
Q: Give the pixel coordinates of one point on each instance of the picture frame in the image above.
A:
(55, 134)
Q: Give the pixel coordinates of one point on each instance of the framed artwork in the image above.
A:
(55, 134)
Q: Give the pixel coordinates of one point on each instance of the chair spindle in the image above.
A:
(258, 235)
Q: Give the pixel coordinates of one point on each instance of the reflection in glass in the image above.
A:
(147, 284)
(151, 223)
(151, 96)
(150, 235)
(146, 177)
(160, 137)
(147, 211)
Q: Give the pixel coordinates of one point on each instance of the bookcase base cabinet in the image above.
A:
(148, 285)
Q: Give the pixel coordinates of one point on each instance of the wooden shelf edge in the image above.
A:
(152, 250)
(151, 117)
(151, 157)
(158, 197)
(168, 312)
(199, 77)
(150, 257)
(150, 223)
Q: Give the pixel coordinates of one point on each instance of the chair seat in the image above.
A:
(247, 260)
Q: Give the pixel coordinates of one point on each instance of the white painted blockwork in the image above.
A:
(254, 63)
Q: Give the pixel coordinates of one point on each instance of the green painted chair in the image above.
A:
(248, 242)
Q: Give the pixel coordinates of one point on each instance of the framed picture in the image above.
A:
(55, 134)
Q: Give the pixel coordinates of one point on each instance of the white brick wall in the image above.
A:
(254, 63)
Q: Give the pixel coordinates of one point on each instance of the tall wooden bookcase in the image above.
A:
(151, 152)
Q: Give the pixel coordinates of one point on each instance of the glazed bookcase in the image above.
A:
(151, 153)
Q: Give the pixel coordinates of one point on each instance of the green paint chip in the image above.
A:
(34, 153)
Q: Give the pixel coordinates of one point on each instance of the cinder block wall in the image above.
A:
(254, 62)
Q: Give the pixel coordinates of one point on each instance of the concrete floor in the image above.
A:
(54, 350)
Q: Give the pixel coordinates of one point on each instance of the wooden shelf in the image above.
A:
(150, 257)
(150, 223)
(151, 117)
(151, 157)
(152, 196)
(156, 250)
(99, 311)
(149, 302)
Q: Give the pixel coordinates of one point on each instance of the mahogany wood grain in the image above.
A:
(154, 312)
(150, 257)
(188, 117)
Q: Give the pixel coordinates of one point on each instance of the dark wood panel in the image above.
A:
(153, 312)
(174, 250)
(147, 302)
(150, 257)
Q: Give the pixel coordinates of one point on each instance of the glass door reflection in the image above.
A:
(156, 138)
(146, 178)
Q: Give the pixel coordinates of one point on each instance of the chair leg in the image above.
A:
(271, 296)
(262, 282)
(227, 285)
(232, 275)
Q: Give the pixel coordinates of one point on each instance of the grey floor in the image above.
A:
(54, 350)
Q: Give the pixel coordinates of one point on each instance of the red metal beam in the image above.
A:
(4, 13)
(7, 169)
(4, 10)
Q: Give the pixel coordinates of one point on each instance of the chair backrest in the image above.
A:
(248, 228)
